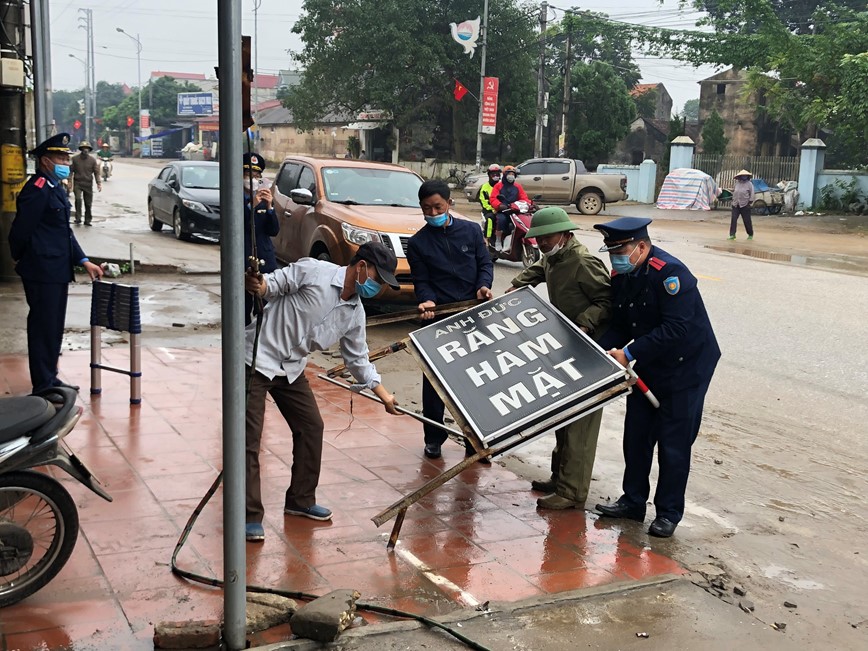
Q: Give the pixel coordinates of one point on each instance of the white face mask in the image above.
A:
(557, 247)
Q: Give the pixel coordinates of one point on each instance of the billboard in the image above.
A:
(195, 104)
(489, 104)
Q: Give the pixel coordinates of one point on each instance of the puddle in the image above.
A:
(789, 577)
(846, 263)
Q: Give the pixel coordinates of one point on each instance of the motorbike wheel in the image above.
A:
(529, 254)
(38, 531)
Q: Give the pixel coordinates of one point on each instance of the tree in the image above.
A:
(398, 56)
(797, 15)
(691, 110)
(593, 37)
(646, 103)
(65, 108)
(713, 140)
(164, 108)
(108, 95)
(601, 111)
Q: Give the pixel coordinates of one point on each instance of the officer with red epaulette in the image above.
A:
(45, 251)
(659, 322)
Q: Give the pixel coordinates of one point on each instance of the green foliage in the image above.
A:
(691, 110)
(842, 196)
(713, 140)
(108, 95)
(594, 38)
(676, 128)
(398, 56)
(164, 108)
(646, 104)
(65, 107)
(601, 111)
(797, 15)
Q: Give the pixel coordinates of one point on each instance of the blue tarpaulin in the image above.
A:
(161, 134)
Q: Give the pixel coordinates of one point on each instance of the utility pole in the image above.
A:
(540, 94)
(87, 26)
(565, 106)
(481, 86)
(12, 134)
(92, 79)
(256, 5)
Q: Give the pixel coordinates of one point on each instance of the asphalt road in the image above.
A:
(780, 473)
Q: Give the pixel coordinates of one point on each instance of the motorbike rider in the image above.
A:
(504, 195)
(484, 198)
(105, 157)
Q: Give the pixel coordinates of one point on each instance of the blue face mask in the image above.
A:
(368, 289)
(61, 171)
(438, 220)
(621, 262)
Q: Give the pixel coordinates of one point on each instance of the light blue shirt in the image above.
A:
(305, 313)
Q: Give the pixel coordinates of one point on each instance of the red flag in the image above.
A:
(459, 92)
(76, 124)
(130, 121)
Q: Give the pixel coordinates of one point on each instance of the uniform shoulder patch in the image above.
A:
(613, 273)
(657, 263)
(39, 182)
(672, 285)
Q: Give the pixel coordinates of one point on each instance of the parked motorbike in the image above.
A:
(105, 168)
(519, 248)
(38, 517)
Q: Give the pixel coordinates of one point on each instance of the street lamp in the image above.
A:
(139, 62)
(86, 95)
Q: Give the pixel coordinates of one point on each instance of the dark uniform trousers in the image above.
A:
(573, 456)
(434, 408)
(297, 404)
(45, 323)
(85, 192)
(673, 429)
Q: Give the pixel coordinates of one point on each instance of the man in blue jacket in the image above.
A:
(659, 321)
(45, 252)
(265, 224)
(449, 262)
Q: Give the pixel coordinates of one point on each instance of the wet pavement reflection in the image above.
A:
(478, 538)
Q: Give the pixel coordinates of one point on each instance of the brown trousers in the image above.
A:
(573, 456)
(297, 404)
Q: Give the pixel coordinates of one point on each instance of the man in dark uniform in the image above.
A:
(659, 321)
(45, 251)
(265, 224)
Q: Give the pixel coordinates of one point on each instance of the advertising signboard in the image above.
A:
(195, 104)
(513, 362)
(489, 104)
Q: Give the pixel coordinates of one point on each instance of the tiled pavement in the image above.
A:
(477, 538)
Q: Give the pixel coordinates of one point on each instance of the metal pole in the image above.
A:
(139, 68)
(481, 85)
(39, 29)
(256, 5)
(87, 91)
(565, 106)
(92, 77)
(232, 313)
(540, 98)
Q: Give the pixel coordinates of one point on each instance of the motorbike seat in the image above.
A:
(20, 415)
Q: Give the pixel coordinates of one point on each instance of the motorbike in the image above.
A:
(520, 248)
(38, 517)
(105, 168)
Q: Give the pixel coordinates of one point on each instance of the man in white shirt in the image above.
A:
(312, 304)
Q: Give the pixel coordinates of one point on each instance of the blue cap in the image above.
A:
(57, 143)
(253, 161)
(622, 231)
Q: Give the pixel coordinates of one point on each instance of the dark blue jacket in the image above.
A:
(659, 307)
(450, 263)
(41, 239)
(267, 227)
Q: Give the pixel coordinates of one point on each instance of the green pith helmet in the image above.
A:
(550, 220)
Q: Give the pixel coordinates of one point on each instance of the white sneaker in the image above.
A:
(498, 246)
(507, 242)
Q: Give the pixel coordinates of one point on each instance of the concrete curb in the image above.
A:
(462, 616)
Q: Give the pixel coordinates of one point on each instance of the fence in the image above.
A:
(772, 169)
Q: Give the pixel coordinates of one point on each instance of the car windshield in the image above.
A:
(371, 187)
(201, 176)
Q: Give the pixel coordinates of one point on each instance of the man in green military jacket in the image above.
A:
(578, 286)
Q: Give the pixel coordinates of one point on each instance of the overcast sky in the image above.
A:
(181, 36)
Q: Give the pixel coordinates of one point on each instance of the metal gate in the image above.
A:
(772, 169)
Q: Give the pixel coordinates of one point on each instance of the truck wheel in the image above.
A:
(590, 203)
(760, 207)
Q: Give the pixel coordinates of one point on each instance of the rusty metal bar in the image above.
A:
(406, 315)
(377, 354)
(396, 530)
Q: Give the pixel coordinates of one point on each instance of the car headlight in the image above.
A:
(194, 205)
(359, 235)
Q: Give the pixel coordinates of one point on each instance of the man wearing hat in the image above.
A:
(265, 224)
(312, 304)
(45, 251)
(85, 170)
(578, 286)
(660, 323)
(742, 200)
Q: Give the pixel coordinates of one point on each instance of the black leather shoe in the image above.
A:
(619, 510)
(74, 387)
(662, 528)
(432, 451)
(547, 486)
